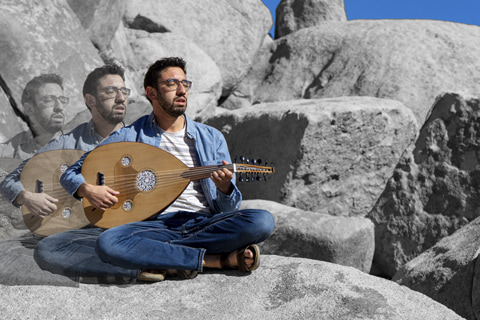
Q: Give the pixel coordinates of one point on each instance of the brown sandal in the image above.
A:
(241, 259)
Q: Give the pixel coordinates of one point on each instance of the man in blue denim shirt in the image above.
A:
(204, 226)
(108, 112)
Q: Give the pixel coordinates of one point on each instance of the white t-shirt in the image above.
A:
(192, 198)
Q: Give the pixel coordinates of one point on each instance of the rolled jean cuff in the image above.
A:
(201, 255)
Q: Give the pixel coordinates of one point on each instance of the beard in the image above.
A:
(110, 116)
(53, 127)
(170, 108)
(53, 124)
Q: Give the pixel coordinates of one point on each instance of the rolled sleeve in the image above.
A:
(72, 178)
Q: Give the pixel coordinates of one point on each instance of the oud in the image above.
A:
(147, 178)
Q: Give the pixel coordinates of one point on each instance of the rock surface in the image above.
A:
(282, 288)
(448, 271)
(242, 33)
(347, 241)
(293, 15)
(331, 156)
(434, 189)
(379, 58)
(32, 43)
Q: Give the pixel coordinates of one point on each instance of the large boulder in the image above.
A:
(293, 15)
(412, 61)
(331, 156)
(282, 288)
(33, 43)
(231, 41)
(448, 271)
(434, 188)
(201, 69)
(100, 18)
(348, 241)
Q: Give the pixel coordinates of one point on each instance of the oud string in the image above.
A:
(162, 178)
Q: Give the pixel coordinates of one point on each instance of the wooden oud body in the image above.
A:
(148, 179)
(46, 168)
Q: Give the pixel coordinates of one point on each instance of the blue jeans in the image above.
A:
(72, 254)
(176, 240)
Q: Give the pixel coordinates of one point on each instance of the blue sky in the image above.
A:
(463, 11)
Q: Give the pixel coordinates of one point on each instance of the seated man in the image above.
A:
(203, 228)
(43, 104)
(108, 109)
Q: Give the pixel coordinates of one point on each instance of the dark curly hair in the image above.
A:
(153, 72)
(90, 84)
(31, 88)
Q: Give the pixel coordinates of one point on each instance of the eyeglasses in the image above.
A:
(112, 91)
(52, 100)
(173, 84)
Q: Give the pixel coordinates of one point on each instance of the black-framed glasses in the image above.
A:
(112, 91)
(52, 100)
(173, 84)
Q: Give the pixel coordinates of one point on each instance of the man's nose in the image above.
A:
(120, 97)
(181, 91)
(59, 106)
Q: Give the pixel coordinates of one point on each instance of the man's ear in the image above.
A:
(90, 100)
(151, 93)
(28, 109)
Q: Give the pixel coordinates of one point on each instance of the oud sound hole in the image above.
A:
(146, 180)
(127, 205)
(63, 168)
(66, 213)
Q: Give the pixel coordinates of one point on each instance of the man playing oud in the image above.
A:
(203, 227)
(106, 97)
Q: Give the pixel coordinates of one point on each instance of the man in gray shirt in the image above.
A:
(43, 103)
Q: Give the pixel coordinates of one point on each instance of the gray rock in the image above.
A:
(46, 38)
(282, 288)
(348, 241)
(230, 32)
(448, 271)
(201, 69)
(434, 188)
(331, 156)
(293, 15)
(379, 58)
(100, 18)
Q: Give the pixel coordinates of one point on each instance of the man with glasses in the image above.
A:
(202, 228)
(105, 96)
(43, 104)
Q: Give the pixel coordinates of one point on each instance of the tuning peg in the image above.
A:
(235, 159)
(240, 177)
(242, 158)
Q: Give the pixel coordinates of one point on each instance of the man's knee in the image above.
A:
(262, 222)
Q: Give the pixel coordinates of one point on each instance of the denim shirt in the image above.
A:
(83, 137)
(209, 143)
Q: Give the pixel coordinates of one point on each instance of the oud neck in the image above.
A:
(196, 173)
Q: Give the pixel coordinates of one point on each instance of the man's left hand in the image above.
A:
(223, 179)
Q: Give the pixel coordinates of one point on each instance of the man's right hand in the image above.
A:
(101, 197)
(39, 204)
